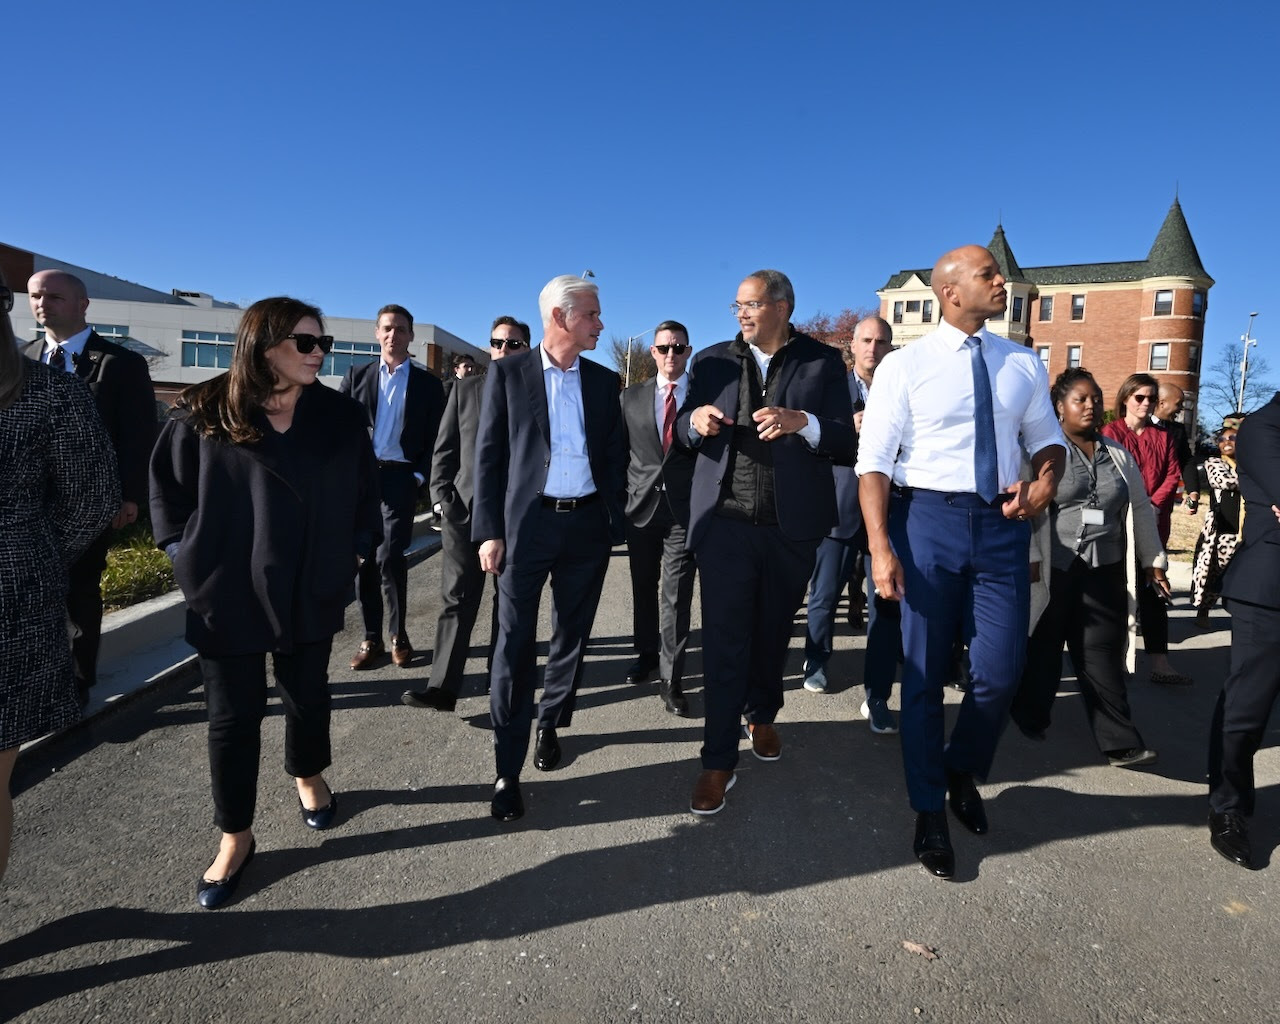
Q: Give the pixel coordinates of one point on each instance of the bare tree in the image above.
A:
(835, 331)
(1220, 386)
(642, 367)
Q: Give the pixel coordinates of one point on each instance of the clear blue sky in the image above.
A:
(454, 157)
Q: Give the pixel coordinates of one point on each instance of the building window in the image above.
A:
(347, 354)
(1073, 357)
(1077, 307)
(112, 332)
(1159, 359)
(913, 305)
(1197, 303)
(1043, 352)
(1017, 309)
(897, 312)
(1193, 358)
(1046, 308)
(926, 312)
(209, 349)
(1164, 304)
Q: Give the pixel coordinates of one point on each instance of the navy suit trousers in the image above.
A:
(966, 568)
(388, 574)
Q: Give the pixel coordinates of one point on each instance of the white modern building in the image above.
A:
(188, 336)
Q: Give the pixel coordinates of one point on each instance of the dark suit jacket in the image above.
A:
(848, 511)
(813, 380)
(454, 463)
(121, 388)
(1254, 573)
(652, 476)
(423, 407)
(513, 448)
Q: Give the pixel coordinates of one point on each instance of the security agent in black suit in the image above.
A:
(659, 475)
(394, 393)
(126, 401)
(550, 460)
(1170, 399)
(1251, 591)
(453, 489)
(768, 413)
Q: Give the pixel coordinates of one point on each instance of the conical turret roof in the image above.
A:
(1173, 253)
(999, 248)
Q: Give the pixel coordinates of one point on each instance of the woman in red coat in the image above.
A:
(1153, 450)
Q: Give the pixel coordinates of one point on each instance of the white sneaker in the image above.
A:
(815, 680)
(879, 717)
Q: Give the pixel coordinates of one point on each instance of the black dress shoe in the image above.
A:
(507, 804)
(673, 698)
(322, 817)
(966, 803)
(212, 895)
(642, 668)
(432, 698)
(546, 755)
(1229, 833)
(933, 844)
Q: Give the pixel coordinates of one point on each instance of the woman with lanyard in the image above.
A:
(1099, 528)
(1223, 523)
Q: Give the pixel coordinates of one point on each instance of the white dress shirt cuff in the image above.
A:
(811, 431)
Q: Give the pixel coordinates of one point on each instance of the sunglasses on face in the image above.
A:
(510, 344)
(307, 342)
(6, 300)
(677, 349)
(1143, 398)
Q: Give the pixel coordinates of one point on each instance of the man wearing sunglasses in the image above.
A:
(122, 391)
(659, 473)
(550, 463)
(453, 488)
(404, 404)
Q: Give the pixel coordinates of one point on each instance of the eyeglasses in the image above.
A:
(307, 342)
(737, 307)
(677, 349)
(6, 300)
(1143, 398)
(510, 344)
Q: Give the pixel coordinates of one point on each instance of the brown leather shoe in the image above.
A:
(369, 652)
(709, 791)
(401, 651)
(765, 743)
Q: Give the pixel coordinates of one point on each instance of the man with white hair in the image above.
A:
(549, 473)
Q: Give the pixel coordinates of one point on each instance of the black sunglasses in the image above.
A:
(307, 342)
(6, 300)
(677, 349)
(509, 343)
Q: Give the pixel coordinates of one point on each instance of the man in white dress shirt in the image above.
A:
(948, 527)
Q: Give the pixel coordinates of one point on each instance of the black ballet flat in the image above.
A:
(322, 817)
(212, 895)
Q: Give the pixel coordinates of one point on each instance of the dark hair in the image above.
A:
(461, 357)
(778, 287)
(13, 368)
(1130, 385)
(675, 327)
(396, 310)
(510, 321)
(1067, 380)
(221, 408)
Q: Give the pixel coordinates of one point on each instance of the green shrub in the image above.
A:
(136, 569)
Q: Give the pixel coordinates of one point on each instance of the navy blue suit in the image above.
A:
(513, 454)
(754, 576)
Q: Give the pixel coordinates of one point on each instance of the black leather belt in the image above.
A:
(568, 504)
(385, 464)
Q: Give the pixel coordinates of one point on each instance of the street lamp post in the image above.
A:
(586, 274)
(634, 338)
(1244, 360)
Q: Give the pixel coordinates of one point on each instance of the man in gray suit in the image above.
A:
(659, 472)
(453, 488)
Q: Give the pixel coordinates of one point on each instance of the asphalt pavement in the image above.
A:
(1095, 897)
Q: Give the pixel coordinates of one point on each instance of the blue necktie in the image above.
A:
(985, 474)
(58, 358)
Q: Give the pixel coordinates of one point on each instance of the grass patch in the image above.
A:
(136, 569)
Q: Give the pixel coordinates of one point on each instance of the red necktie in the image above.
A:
(668, 418)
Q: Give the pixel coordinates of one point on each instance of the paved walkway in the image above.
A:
(1095, 897)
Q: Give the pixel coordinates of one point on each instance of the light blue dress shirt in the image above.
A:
(569, 474)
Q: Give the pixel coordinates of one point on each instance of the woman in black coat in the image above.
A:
(264, 492)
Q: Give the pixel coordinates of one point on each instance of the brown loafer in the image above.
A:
(401, 651)
(765, 743)
(709, 791)
(368, 652)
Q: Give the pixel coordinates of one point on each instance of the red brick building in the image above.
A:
(1113, 319)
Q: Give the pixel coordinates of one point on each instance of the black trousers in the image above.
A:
(388, 573)
(235, 691)
(572, 548)
(753, 581)
(1155, 620)
(84, 610)
(461, 588)
(1240, 718)
(1088, 611)
(662, 576)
